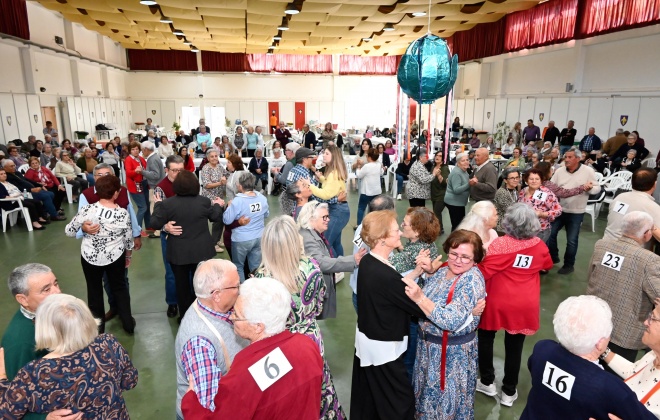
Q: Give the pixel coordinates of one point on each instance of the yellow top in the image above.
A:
(332, 186)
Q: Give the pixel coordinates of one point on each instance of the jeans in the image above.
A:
(399, 183)
(170, 283)
(261, 177)
(112, 301)
(572, 221)
(147, 215)
(544, 235)
(564, 149)
(362, 206)
(142, 208)
(46, 198)
(250, 249)
(339, 215)
(513, 347)
(411, 352)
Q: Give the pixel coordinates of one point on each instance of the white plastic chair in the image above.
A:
(349, 170)
(649, 163)
(13, 214)
(23, 168)
(593, 208)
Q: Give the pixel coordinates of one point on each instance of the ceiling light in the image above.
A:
(178, 32)
(148, 2)
(277, 37)
(419, 14)
(270, 51)
(366, 39)
(186, 42)
(165, 19)
(194, 49)
(283, 27)
(291, 9)
(388, 27)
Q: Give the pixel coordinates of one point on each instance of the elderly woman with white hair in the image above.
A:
(313, 223)
(213, 179)
(482, 220)
(458, 190)
(567, 382)
(283, 258)
(513, 284)
(78, 359)
(288, 384)
(258, 167)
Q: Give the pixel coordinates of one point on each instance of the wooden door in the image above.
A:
(48, 114)
(300, 115)
(273, 106)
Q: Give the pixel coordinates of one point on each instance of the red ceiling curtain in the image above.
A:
(549, 23)
(289, 63)
(355, 64)
(604, 16)
(227, 62)
(14, 18)
(484, 40)
(167, 60)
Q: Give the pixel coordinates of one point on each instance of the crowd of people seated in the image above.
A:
(427, 317)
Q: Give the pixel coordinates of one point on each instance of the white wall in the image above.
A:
(345, 100)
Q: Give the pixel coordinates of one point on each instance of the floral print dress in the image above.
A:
(306, 305)
(457, 399)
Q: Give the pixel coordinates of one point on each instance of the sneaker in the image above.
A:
(339, 277)
(489, 390)
(398, 197)
(508, 400)
(566, 270)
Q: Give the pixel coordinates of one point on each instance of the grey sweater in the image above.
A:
(486, 188)
(458, 188)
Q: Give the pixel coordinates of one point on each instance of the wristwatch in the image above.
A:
(605, 354)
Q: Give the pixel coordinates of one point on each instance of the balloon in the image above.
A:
(427, 70)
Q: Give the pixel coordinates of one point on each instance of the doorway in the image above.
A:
(300, 115)
(273, 106)
(48, 114)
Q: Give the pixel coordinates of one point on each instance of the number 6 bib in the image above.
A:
(270, 369)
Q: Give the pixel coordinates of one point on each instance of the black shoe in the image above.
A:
(57, 219)
(130, 329)
(152, 236)
(544, 271)
(172, 310)
(38, 228)
(110, 314)
(566, 270)
(555, 261)
(60, 212)
(45, 222)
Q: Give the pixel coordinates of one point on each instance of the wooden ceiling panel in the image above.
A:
(330, 26)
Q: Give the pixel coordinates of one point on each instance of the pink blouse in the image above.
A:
(542, 200)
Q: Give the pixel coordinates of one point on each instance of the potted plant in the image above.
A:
(502, 130)
(176, 126)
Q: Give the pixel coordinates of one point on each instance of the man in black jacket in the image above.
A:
(183, 138)
(19, 181)
(552, 133)
(310, 139)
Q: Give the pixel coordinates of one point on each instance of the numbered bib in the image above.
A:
(559, 381)
(357, 241)
(621, 208)
(270, 369)
(612, 261)
(104, 213)
(523, 261)
(540, 195)
(255, 208)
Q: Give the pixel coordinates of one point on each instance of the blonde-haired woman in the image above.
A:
(79, 358)
(334, 192)
(283, 258)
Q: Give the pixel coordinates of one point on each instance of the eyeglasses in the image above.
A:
(462, 258)
(650, 318)
(175, 171)
(224, 288)
(326, 217)
(513, 178)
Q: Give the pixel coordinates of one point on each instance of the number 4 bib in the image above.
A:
(270, 369)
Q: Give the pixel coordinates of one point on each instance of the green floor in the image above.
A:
(152, 346)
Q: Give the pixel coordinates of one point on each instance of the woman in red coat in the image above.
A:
(136, 184)
(43, 176)
(513, 286)
(188, 161)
